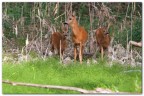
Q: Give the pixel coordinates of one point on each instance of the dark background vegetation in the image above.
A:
(37, 20)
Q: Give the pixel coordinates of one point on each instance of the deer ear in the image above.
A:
(65, 27)
(73, 13)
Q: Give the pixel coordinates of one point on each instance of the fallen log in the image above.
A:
(46, 86)
(53, 87)
(84, 91)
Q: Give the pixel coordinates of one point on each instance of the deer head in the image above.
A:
(71, 18)
(64, 28)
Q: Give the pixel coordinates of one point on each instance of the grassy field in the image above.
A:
(117, 77)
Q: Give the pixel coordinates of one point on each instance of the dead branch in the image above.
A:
(59, 16)
(47, 86)
(97, 90)
(138, 44)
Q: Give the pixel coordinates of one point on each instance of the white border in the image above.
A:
(1, 49)
(65, 1)
(72, 1)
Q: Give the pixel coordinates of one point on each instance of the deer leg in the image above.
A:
(101, 52)
(80, 53)
(62, 54)
(75, 52)
(52, 48)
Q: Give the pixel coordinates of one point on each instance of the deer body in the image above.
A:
(103, 39)
(58, 39)
(79, 36)
(55, 42)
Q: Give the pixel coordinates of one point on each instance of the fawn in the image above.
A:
(58, 40)
(79, 36)
(103, 39)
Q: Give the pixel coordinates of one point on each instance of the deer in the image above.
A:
(103, 39)
(79, 36)
(58, 40)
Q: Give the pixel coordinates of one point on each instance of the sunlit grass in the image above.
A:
(117, 77)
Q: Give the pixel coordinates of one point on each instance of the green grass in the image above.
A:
(51, 72)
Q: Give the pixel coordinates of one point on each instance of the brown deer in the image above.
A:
(79, 36)
(58, 40)
(103, 39)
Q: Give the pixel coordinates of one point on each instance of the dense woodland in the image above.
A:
(34, 22)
